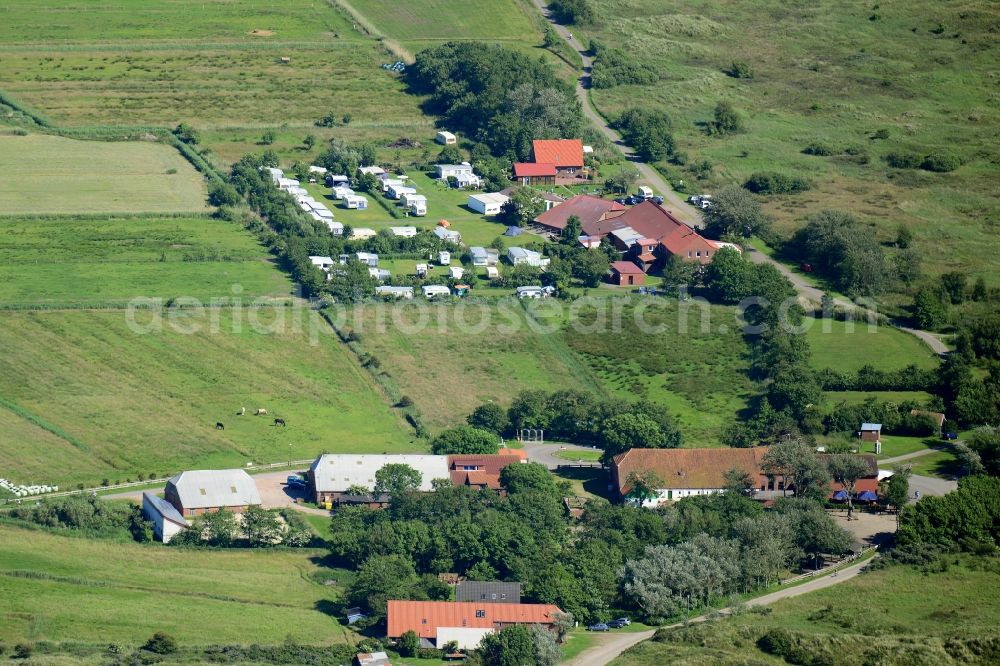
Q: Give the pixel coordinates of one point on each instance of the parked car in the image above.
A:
(951, 435)
(599, 627)
(620, 622)
(621, 200)
(295, 481)
(658, 200)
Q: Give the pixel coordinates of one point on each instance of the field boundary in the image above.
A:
(17, 410)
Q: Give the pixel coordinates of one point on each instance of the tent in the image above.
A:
(513, 231)
(840, 495)
(868, 496)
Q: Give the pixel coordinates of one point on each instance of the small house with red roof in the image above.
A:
(483, 470)
(591, 211)
(535, 173)
(626, 274)
(438, 622)
(565, 154)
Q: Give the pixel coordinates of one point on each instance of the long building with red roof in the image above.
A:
(438, 622)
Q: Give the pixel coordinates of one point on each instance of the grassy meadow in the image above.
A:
(95, 592)
(135, 402)
(53, 175)
(898, 612)
(73, 261)
(834, 345)
(837, 74)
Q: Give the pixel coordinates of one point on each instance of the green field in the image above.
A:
(834, 73)
(72, 261)
(53, 175)
(433, 20)
(699, 375)
(834, 345)
(133, 402)
(94, 592)
(900, 612)
(858, 397)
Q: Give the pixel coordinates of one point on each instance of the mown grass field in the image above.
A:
(698, 374)
(132, 402)
(53, 175)
(439, 20)
(71, 261)
(899, 611)
(833, 73)
(883, 347)
(95, 592)
(448, 367)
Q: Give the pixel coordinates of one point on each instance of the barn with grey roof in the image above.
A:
(203, 491)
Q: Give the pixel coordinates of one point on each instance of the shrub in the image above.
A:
(903, 160)
(940, 163)
(161, 643)
(740, 70)
(573, 11)
(23, 651)
(818, 148)
(880, 134)
(772, 182)
(726, 120)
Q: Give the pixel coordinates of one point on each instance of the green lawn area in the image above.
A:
(941, 464)
(95, 592)
(78, 261)
(131, 402)
(835, 345)
(858, 397)
(432, 20)
(828, 72)
(899, 611)
(575, 455)
(698, 374)
(49, 174)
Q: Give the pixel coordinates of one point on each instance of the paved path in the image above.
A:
(545, 454)
(908, 456)
(930, 485)
(608, 651)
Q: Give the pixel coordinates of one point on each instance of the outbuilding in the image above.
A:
(204, 491)
(167, 520)
(626, 273)
(487, 203)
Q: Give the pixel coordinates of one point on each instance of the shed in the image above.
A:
(167, 520)
(492, 272)
(626, 273)
(445, 138)
(487, 203)
(871, 432)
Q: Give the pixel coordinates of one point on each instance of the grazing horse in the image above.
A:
(280, 422)
(219, 426)
(243, 410)
(261, 412)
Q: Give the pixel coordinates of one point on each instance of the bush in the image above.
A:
(572, 11)
(901, 160)
(23, 651)
(818, 148)
(161, 643)
(772, 182)
(740, 70)
(940, 163)
(614, 67)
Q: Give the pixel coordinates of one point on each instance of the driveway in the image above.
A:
(929, 485)
(545, 454)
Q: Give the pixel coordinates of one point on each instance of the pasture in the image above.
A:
(77, 261)
(53, 175)
(899, 611)
(92, 592)
(835, 345)
(865, 80)
(431, 21)
(143, 396)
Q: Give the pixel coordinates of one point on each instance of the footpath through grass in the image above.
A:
(96, 592)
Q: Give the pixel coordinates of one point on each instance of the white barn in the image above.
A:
(332, 474)
(167, 520)
(487, 203)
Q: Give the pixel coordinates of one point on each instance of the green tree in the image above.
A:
(622, 432)
(954, 285)
(648, 131)
(261, 527)
(738, 481)
(572, 231)
(409, 643)
(897, 491)
(644, 486)
(450, 154)
(352, 283)
(465, 440)
(523, 207)
(267, 138)
(798, 465)
(904, 237)
(186, 134)
(309, 141)
(590, 267)
(161, 643)
(985, 441)
(528, 477)
(511, 646)
(846, 469)
(380, 578)
(735, 212)
(396, 479)
(622, 179)
(727, 120)
(929, 310)
(489, 416)
(223, 194)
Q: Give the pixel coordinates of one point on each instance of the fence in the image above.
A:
(134, 484)
(846, 560)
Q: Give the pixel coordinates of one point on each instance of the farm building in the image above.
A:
(483, 470)
(397, 292)
(565, 154)
(626, 273)
(439, 622)
(484, 256)
(449, 235)
(492, 591)
(331, 475)
(435, 291)
(355, 201)
(445, 138)
(403, 232)
(590, 210)
(204, 491)
(532, 173)
(684, 472)
(362, 233)
(487, 203)
(522, 255)
(870, 432)
(167, 520)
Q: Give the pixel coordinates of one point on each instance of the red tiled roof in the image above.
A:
(684, 240)
(650, 220)
(626, 268)
(686, 468)
(521, 454)
(424, 617)
(560, 152)
(477, 479)
(589, 209)
(522, 169)
(485, 462)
